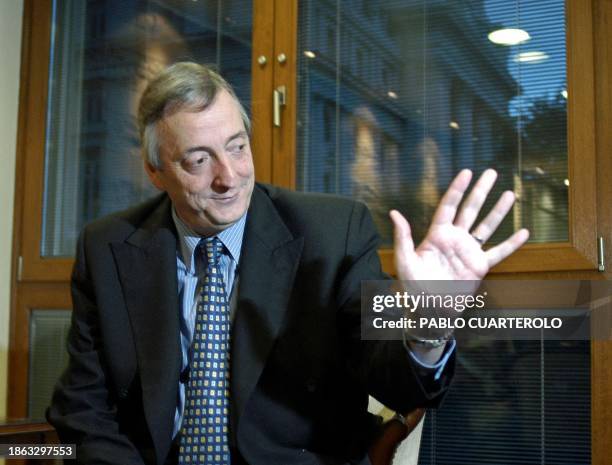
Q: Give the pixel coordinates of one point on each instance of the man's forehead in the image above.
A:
(186, 128)
(222, 109)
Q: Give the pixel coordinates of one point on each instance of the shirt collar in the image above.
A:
(230, 237)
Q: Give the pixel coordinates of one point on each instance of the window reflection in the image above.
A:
(395, 104)
(103, 53)
(514, 402)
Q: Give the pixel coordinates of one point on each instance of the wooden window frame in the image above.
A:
(39, 282)
(589, 72)
(276, 149)
(33, 296)
(32, 129)
(580, 252)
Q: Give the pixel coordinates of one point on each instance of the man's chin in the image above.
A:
(221, 222)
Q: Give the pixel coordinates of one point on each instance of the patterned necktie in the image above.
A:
(204, 431)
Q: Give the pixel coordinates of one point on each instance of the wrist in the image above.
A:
(426, 355)
(425, 342)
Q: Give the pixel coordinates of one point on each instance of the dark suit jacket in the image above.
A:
(300, 374)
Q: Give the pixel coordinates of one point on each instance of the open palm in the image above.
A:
(451, 250)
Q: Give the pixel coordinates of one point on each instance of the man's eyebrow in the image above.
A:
(236, 136)
(203, 148)
(199, 148)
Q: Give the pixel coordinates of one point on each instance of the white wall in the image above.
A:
(10, 58)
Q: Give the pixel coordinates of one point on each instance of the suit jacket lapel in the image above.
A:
(147, 269)
(268, 265)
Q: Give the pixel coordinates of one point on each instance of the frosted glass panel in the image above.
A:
(48, 357)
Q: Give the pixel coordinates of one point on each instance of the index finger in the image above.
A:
(447, 209)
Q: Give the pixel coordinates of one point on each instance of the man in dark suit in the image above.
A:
(286, 270)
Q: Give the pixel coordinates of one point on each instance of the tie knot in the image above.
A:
(213, 248)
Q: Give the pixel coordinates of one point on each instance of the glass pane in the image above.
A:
(48, 357)
(514, 402)
(103, 53)
(396, 96)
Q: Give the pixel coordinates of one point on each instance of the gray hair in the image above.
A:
(182, 86)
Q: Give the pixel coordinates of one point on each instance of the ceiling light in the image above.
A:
(309, 54)
(539, 170)
(509, 36)
(564, 94)
(454, 125)
(392, 95)
(566, 182)
(530, 57)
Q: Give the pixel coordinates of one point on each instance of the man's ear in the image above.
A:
(154, 175)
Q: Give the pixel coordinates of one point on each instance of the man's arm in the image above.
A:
(391, 373)
(83, 410)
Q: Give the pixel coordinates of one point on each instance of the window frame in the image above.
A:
(580, 251)
(39, 282)
(33, 267)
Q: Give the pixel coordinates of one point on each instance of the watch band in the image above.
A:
(426, 342)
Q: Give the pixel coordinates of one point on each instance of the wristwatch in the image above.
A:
(428, 343)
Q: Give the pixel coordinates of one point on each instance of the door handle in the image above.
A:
(280, 100)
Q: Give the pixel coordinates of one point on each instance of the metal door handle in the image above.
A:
(280, 100)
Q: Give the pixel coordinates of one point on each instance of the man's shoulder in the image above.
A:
(124, 222)
(308, 202)
(313, 214)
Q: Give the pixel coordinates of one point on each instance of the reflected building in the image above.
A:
(429, 107)
(394, 98)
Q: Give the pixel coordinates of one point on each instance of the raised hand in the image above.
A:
(452, 250)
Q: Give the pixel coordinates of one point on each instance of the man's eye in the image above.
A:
(237, 148)
(196, 160)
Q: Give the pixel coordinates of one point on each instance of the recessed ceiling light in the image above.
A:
(509, 36)
(530, 57)
(454, 124)
(392, 94)
(310, 54)
(566, 182)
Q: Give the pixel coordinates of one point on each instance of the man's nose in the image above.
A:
(225, 173)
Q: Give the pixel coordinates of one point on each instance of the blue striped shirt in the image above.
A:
(191, 268)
